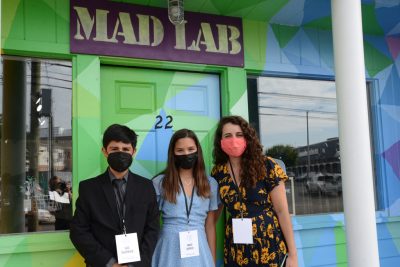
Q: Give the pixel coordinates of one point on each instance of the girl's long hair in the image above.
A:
(170, 183)
(252, 161)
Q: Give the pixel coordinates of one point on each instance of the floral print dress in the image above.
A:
(268, 246)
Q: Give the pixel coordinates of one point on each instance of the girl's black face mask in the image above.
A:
(186, 161)
(119, 161)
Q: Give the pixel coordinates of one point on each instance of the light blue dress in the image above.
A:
(167, 252)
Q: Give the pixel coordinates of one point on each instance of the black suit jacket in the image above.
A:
(96, 221)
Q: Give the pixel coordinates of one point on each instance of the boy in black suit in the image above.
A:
(115, 205)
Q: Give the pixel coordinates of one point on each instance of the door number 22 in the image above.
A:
(159, 122)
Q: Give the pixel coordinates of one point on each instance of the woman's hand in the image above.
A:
(211, 233)
(291, 260)
(279, 202)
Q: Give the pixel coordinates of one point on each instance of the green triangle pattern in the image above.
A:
(321, 23)
(255, 36)
(227, 7)
(376, 61)
(266, 10)
(285, 35)
(340, 238)
(370, 23)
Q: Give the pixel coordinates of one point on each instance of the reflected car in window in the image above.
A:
(45, 216)
(322, 184)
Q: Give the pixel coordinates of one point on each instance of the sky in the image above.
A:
(57, 76)
(283, 107)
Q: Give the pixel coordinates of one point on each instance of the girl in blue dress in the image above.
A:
(187, 201)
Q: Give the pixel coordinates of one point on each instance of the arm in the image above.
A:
(211, 233)
(152, 226)
(218, 212)
(82, 236)
(279, 202)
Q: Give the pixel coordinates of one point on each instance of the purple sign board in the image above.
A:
(127, 30)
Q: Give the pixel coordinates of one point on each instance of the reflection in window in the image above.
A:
(298, 124)
(36, 145)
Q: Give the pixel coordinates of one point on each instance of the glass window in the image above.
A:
(298, 125)
(36, 145)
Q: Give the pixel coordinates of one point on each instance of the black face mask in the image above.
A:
(119, 161)
(186, 161)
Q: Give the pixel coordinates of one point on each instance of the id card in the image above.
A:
(127, 248)
(242, 231)
(189, 243)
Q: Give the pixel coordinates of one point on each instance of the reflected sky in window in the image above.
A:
(285, 104)
(57, 76)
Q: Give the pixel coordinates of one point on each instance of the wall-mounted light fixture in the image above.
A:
(175, 11)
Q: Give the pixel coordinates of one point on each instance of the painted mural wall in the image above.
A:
(291, 42)
(299, 44)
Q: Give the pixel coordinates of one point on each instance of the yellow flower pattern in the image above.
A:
(268, 244)
(256, 256)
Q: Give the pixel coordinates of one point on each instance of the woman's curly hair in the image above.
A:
(253, 161)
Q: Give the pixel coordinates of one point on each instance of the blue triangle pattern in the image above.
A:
(156, 142)
(391, 94)
(388, 17)
(379, 43)
(290, 14)
(208, 107)
(292, 50)
(316, 9)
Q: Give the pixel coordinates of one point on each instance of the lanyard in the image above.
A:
(188, 209)
(238, 189)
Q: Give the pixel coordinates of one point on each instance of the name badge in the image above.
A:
(127, 248)
(242, 231)
(189, 243)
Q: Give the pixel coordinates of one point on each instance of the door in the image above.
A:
(155, 103)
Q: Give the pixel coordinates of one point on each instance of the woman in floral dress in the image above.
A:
(251, 187)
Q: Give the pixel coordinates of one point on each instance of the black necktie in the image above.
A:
(118, 184)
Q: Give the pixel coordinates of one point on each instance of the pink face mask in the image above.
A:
(233, 146)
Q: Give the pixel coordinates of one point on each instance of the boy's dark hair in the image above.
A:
(119, 133)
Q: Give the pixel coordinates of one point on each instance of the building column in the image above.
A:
(13, 147)
(354, 134)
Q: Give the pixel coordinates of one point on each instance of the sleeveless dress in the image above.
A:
(167, 252)
(268, 246)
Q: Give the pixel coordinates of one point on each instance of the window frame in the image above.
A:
(380, 187)
(26, 58)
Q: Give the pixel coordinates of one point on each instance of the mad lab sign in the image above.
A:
(126, 30)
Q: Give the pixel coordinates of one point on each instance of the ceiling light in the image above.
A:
(175, 11)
